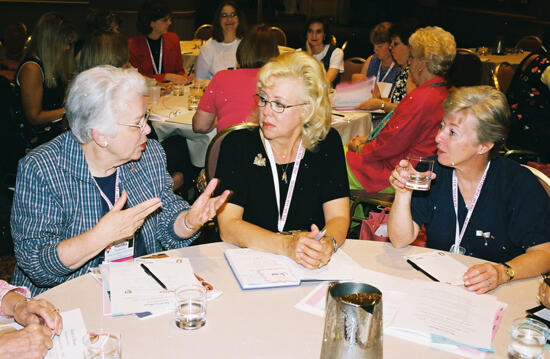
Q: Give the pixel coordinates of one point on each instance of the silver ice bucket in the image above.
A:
(353, 321)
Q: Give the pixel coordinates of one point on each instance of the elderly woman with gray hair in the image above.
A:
(481, 205)
(100, 192)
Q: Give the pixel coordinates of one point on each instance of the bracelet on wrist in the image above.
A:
(22, 300)
(187, 226)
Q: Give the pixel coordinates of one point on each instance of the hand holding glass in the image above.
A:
(420, 173)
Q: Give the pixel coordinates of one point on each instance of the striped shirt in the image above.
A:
(56, 199)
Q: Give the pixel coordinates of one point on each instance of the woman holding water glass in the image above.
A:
(288, 176)
(503, 211)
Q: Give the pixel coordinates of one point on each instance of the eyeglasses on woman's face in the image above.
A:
(142, 124)
(276, 105)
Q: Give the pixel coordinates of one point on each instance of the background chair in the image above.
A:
(333, 41)
(352, 66)
(279, 34)
(204, 32)
(502, 76)
(529, 43)
(466, 69)
(213, 151)
(543, 179)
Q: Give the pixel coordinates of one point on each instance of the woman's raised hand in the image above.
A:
(206, 206)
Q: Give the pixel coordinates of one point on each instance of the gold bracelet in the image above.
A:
(19, 302)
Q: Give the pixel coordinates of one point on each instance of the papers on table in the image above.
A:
(429, 313)
(441, 266)
(127, 289)
(347, 96)
(255, 269)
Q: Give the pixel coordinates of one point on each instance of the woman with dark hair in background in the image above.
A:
(107, 48)
(229, 98)
(219, 52)
(318, 45)
(42, 76)
(156, 52)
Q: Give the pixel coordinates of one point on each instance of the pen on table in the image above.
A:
(422, 270)
(191, 69)
(338, 114)
(149, 273)
(545, 279)
(320, 235)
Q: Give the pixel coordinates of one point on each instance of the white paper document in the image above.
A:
(173, 109)
(347, 96)
(440, 265)
(256, 269)
(451, 312)
(69, 344)
(134, 291)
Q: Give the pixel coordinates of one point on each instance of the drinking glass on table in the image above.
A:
(177, 89)
(190, 306)
(102, 344)
(420, 173)
(527, 339)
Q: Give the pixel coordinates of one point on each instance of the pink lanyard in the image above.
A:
(158, 70)
(458, 237)
(104, 196)
(282, 219)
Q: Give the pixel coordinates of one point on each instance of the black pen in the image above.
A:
(191, 69)
(149, 273)
(422, 270)
(546, 279)
(337, 114)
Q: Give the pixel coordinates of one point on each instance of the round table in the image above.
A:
(264, 323)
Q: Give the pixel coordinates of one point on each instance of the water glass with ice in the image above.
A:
(527, 339)
(190, 306)
(102, 344)
(420, 173)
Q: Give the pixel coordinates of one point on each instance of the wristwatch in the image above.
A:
(334, 243)
(510, 272)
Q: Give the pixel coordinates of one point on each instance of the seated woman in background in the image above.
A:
(219, 52)
(529, 99)
(42, 76)
(400, 51)
(156, 52)
(229, 98)
(101, 184)
(35, 339)
(484, 206)
(318, 45)
(288, 176)
(412, 127)
(380, 64)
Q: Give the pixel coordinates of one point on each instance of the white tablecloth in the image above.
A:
(180, 125)
(356, 123)
(264, 323)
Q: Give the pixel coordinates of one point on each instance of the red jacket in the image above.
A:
(411, 130)
(140, 57)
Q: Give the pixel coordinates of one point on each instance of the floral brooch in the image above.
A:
(259, 160)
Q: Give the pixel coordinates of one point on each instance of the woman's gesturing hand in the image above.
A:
(205, 207)
(120, 224)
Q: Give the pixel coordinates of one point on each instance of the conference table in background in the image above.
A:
(489, 63)
(354, 123)
(264, 323)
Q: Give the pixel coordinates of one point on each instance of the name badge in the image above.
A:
(120, 252)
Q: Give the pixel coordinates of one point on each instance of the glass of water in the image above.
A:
(190, 306)
(527, 339)
(102, 344)
(420, 173)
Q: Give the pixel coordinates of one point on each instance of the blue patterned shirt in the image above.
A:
(56, 199)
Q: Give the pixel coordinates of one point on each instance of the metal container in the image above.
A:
(353, 321)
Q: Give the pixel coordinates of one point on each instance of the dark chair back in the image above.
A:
(352, 66)
(529, 43)
(213, 151)
(279, 34)
(502, 77)
(466, 69)
(204, 32)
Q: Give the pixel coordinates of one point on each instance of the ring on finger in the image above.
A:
(55, 310)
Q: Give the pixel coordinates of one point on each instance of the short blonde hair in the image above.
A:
(489, 106)
(435, 46)
(301, 66)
